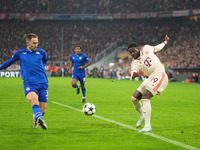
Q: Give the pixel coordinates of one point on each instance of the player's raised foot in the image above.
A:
(140, 122)
(35, 123)
(78, 90)
(42, 123)
(146, 129)
(84, 100)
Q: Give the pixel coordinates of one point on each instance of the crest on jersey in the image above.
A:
(80, 58)
(147, 52)
(38, 53)
(73, 57)
(27, 89)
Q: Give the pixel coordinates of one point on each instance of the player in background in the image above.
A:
(79, 61)
(32, 63)
(146, 61)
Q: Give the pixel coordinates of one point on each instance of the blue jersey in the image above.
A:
(32, 65)
(79, 60)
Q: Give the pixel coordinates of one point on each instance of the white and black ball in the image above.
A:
(89, 109)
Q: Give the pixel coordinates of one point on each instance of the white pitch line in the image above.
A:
(132, 128)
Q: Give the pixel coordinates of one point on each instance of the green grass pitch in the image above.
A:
(175, 116)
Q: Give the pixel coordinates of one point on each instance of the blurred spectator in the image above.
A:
(95, 36)
(102, 72)
(94, 6)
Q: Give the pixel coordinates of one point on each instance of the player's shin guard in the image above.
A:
(147, 112)
(138, 105)
(37, 111)
(84, 92)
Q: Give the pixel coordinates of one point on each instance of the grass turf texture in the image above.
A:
(175, 115)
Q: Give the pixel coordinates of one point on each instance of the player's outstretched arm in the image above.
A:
(160, 46)
(9, 62)
(44, 59)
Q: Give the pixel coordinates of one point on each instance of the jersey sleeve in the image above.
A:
(151, 49)
(10, 61)
(86, 59)
(159, 47)
(134, 66)
(44, 58)
(147, 49)
(71, 58)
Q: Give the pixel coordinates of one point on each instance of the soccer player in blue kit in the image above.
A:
(32, 63)
(79, 61)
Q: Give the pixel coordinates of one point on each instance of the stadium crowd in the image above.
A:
(95, 6)
(92, 37)
(95, 36)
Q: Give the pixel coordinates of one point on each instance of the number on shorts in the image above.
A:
(47, 93)
(154, 79)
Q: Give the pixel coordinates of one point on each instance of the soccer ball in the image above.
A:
(89, 109)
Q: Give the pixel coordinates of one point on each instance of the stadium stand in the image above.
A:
(96, 35)
(95, 6)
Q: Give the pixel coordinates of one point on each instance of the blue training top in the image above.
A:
(79, 60)
(32, 65)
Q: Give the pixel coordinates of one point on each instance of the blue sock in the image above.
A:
(84, 92)
(37, 111)
(76, 86)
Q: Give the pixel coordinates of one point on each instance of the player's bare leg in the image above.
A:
(74, 85)
(43, 106)
(32, 97)
(84, 92)
(138, 106)
(147, 110)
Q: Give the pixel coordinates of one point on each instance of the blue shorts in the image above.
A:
(80, 77)
(40, 89)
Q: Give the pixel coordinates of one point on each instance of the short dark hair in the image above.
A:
(30, 36)
(134, 44)
(78, 46)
